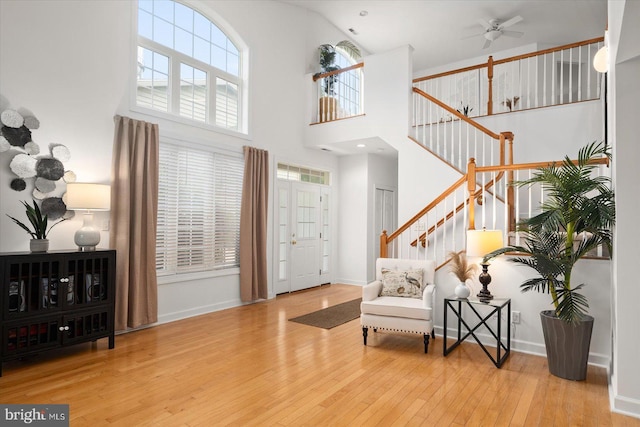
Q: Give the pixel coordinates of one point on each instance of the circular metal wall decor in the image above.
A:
(46, 172)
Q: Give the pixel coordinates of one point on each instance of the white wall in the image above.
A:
(353, 200)
(624, 130)
(550, 133)
(71, 63)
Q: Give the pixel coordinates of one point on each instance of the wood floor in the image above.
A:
(251, 366)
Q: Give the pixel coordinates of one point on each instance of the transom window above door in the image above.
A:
(188, 66)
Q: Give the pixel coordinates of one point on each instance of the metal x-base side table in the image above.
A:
(497, 305)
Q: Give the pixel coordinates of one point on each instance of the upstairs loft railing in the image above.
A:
(544, 78)
(339, 93)
(428, 236)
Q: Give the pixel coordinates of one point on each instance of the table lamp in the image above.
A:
(88, 197)
(480, 243)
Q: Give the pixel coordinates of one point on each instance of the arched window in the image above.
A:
(187, 66)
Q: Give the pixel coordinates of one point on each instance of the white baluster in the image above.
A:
(579, 73)
(589, 70)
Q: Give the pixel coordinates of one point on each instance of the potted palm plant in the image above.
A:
(327, 60)
(38, 230)
(575, 219)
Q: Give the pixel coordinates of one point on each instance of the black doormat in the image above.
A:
(333, 316)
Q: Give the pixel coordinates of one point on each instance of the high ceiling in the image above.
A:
(437, 28)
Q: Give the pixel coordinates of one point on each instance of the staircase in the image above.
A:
(483, 195)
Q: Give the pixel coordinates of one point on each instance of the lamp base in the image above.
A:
(87, 237)
(484, 295)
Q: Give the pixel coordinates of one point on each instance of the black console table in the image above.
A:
(496, 306)
(55, 299)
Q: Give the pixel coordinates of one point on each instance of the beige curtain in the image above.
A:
(253, 225)
(134, 208)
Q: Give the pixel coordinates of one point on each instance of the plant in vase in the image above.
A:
(465, 110)
(327, 57)
(460, 267)
(576, 218)
(38, 230)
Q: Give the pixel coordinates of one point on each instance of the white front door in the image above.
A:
(304, 236)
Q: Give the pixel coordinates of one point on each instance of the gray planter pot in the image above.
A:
(39, 245)
(567, 345)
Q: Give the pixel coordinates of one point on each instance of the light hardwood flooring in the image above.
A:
(251, 366)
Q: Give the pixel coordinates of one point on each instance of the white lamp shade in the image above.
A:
(481, 242)
(601, 60)
(88, 196)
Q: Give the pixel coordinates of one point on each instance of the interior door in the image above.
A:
(384, 219)
(305, 236)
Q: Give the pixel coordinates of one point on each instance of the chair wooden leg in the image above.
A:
(433, 333)
(365, 331)
(426, 343)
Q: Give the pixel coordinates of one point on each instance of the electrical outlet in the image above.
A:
(105, 225)
(515, 317)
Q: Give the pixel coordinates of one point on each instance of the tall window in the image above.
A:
(187, 66)
(198, 210)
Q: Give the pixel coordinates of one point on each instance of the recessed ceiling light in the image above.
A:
(363, 13)
(360, 145)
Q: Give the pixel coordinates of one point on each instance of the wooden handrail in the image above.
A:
(535, 165)
(510, 59)
(319, 76)
(550, 50)
(456, 113)
(422, 238)
(448, 73)
(427, 208)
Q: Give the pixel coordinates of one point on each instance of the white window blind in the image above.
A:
(198, 210)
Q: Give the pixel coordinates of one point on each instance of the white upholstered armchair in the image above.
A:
(382, 307)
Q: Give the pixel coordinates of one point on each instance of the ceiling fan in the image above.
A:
(494, 29)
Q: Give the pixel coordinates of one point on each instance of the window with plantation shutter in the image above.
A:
(198, 210)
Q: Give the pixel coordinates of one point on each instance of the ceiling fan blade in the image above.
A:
(512, 33)
(511, 21)
(484, 24)
(487, 43)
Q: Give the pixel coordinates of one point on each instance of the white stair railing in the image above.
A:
(451, 135)
(441, 226)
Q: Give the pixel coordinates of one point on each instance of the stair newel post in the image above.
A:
(383, 244)
(471, 187)
(510, 189)
(490, 94)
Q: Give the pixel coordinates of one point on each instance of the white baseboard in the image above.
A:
(350, 282)
(197, 311)
(625, 406)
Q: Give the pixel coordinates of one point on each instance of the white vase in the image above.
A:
(462, 291)
(39, 245)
